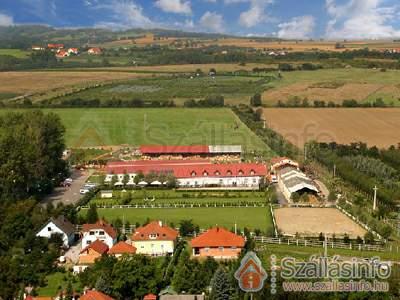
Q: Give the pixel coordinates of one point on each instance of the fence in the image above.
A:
(321, 244)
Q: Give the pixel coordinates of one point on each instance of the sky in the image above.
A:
(290, 19)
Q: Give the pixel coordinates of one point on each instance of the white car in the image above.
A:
(84, 191)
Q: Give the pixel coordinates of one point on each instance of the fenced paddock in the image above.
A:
(310, 222)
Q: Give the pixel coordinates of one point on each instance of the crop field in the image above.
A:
(250, 217)
(374, 126)
(336, 85)
(235, 89)
(15, 52)
(310, 222)
(173, 126)
(39, 82)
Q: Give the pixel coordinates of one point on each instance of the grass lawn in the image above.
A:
(172, 126)
(15, 52)
(181, 197)
(54, 281)
(253, 218)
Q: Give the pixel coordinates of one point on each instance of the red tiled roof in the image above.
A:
(218, 237)
(195, 149)
(97, 246)
(55, 46)
(164, 233)
(95, 295)
(150, 297)
(122, 248)
(100, 225)
(186, 169)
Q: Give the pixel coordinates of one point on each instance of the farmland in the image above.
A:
(175, 126)
(307, 222)
(14, 52)
(250, 217)
(43, 82)
(336, 85)
(373, 126)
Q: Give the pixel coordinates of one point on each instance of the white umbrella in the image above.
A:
(130, 183)
(143, 183)
(118, 183)
(156, 183)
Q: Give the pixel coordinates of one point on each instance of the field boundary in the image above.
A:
(173, 206)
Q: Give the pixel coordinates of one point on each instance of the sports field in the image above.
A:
(336, 85)
(250, 217)
(374, 126)
(173, 126)
(310, 222)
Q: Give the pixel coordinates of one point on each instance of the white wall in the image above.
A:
(51, 229)
(89, 238)
(251, 181)
(155, 248)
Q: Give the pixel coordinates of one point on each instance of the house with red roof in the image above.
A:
(55, 47)
(89, 255)
(98, 231)
(193, 173)
(218, 243)
(94, 51)
(122, 248)
(62, 54)
(74, 51)
(155, 239)
(95, 295)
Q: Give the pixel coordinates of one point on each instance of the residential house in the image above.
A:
(62, 54)
(61, 226)
(218, 243)
(55, 47)
(155, 239)
(74, 51)
(122, 248)
(98, 231)
(89, 255)
(94, 51)
(94, 295)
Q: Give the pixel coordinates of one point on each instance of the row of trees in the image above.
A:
(296, 101)
(210, 101)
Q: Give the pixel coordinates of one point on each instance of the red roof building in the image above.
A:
(150, 297)
(95, 51)
(100, 225)
(55, 46)
(195, 149)
(155, 239)
(218, 243)
(122, 248)
(95, 295)
(99, 231)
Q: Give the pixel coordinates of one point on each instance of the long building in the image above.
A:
(192, 173)
(200, 150)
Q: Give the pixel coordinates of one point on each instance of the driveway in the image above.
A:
(72, 255)
(68, 195)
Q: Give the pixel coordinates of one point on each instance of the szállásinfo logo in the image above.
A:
(251, 274)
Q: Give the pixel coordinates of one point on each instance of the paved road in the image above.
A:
(68, 195)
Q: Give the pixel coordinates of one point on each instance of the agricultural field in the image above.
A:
(173, 126)
(250, 217)
(55, 82)
(15, 52)
(310, 222)
(374, 126)
(336, 85)
(235, 89)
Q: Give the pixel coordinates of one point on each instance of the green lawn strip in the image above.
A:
(173, 126)
(250, 217)
(55, 283)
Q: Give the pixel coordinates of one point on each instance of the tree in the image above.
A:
(186, 227)
(91, 215)
(256, 100)
(369, 238)
(221, 288)
(103, 284)
(346, 238)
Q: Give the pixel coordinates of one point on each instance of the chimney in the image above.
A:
(160, 223)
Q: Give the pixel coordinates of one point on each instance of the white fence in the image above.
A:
(321, 244)
(181, 205)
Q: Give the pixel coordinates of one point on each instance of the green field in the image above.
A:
(250, 217)
(235, 89)
(172, 126)
(170, 197)
(15, 52)
(55, 283)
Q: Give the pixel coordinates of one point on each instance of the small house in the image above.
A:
(61, 226)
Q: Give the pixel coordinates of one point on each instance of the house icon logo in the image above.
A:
(251, 274)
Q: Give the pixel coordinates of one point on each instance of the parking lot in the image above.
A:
(68, 195)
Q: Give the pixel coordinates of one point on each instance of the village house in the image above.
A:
(98, 231)
(61, 226)
(94, 295)
(192, 173)
(94, 51)
(74, 51)
(89, 255)
(122, 248)
(155, 239)
(55, 47)
(62, 54)
(218, 243)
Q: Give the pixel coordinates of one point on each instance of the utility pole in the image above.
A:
(375, 190)
(334, 170)
(305, 152)
(235, 228)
